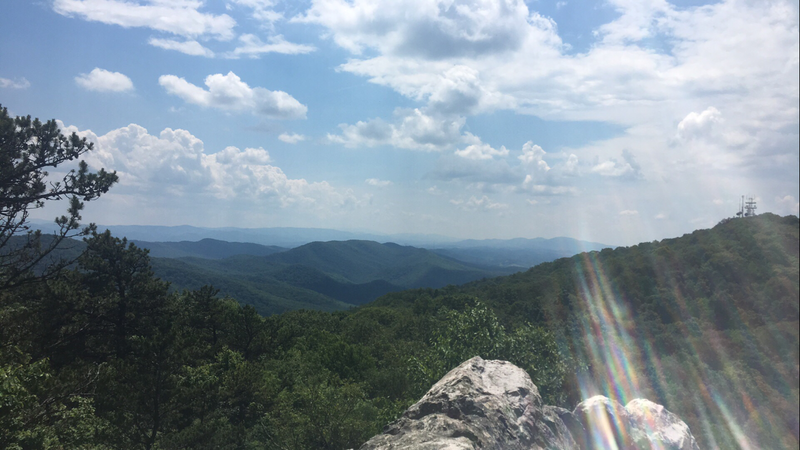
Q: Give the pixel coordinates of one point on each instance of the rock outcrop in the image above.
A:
(495, 405)
(479, 404)
(641, 424)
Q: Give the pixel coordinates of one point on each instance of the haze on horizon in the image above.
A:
(614, 121)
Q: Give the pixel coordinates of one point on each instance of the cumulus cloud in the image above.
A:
(181, 17)
(411, 129)
(570, 167)
(479, 150)
(189, 47)
(377, 182)
(473, 56)
(230, 93)
(629, 212)
(20, 83)
(699, 126)
(251, 46)
(427, 29)
(459, 90)
(291, 138)
(532, 157)
(627, 168)
(101, 80)
(175, 162)
(474, 203)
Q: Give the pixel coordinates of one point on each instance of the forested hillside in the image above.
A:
(326, 276)
(705, 324)
(97, 352)
(105, 356)
(271, 288)
(206, 248)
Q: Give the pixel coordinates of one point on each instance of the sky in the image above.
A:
(615, 121)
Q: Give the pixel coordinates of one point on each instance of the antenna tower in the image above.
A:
(750, 207)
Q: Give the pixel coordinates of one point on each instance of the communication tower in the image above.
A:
(750, 207)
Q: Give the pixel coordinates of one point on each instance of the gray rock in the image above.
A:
(664, 429)
(478, 405)
(494, 405)
(641, 424)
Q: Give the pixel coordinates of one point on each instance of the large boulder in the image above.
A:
(494, 405)
(664, 429)
(478, 405)
(641, 425)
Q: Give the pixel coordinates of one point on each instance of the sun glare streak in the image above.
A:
(619, 353)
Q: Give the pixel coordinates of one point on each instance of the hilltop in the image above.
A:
(716, 307)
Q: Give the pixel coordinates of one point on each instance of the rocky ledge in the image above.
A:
(495, 405)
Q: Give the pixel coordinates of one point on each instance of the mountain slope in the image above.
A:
(364, 261)
(272, 288)
(708, 324)
(321, 275)
(516, 252)
(206, 248)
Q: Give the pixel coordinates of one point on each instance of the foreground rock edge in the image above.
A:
(494, 405)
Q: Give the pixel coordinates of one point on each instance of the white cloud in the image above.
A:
(788, 204)
(427, 29)
(629, 212)
(532, 157)
(533, 186)
(570, 167)
(253, 47)
(175, 163)
(661, 216)
(178, 17)
(262, 10)
(699, 126)
(232, 155)
(613, 167)
(474, 203)
(21, 83)
(189, 47)
(411, 129)
(292, 138)
(101, 80)
(377, 182)
(479, 150)
(638, 20)
(230, 93)
(474, 56)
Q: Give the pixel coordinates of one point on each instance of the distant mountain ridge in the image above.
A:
(290, 237)
(361, 261)
(321, 275)
(518, 252)
(206, 248)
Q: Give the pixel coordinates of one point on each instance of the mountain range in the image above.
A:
(276, 270)
(321, 275)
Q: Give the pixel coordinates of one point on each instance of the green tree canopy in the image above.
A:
(29, 151)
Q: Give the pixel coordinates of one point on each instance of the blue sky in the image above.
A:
(615, 121)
